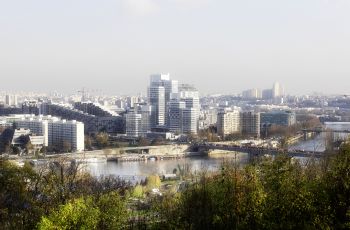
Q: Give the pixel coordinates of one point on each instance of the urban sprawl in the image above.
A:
(171, 112)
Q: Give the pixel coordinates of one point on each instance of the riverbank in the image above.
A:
(144, 153)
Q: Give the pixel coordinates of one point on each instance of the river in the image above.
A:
(318, 143)
(135, 171)
(140, 169)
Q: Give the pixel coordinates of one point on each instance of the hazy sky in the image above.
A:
(221, 46)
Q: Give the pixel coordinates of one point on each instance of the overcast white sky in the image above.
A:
(221, 46)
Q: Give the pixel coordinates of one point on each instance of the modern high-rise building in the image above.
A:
(170, 91)
(267, 94)
(11, 100)
(121, 104)
(137, 121)
(132, 101)
(250, 123)
(277, 90)
(156, 98)
(133, 124)
(190, 120)
(252, 94)
(190, 96)
(176, 108)
(228, 122)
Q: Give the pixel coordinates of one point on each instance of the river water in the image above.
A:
(135, 171)
(318, 143)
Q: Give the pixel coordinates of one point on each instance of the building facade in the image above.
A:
(281, 118)
(56, 132)
(228, 122)
(250, 123)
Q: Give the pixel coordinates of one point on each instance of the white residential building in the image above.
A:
(228, 122)
(56, 132)
(11, 100)
(63, 131)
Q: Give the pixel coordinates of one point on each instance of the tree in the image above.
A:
(66, 146)
(337, 186)
(102, 140)
(143, 142)
(153, 181)
(138, 191)
(18, 205)
(29, 147)
(113, 212)
(88, 142)
(157, 141)
(78, 214)
(16, 150)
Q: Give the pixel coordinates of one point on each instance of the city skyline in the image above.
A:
(220, 46)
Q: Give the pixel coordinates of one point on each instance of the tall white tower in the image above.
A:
(167, 89)
(277, 90)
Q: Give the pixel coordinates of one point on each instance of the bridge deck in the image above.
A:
(261, 151)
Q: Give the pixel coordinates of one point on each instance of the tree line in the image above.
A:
(272, 193)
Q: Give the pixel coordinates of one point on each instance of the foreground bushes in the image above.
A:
(60, 192)
(270, 194)
(105, 212)
(273, 194)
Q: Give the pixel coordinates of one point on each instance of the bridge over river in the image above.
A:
(256, 151)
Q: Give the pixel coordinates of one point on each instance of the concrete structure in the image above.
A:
(132, 101)
(30, 107)
(133, 125)
(62, 132)
(252, 94)
(267, 94)
(176, 108)
(228, 122)
(161, 90)
(92, 123)
(183, 111)
(277, 90)
(36, 125)
(156, 97)
(95, 109)
(56, 132)
(11, 100)
(207, 118)
(172, 106)
(190, 96)
(146, 112)
(250, 123)
(278, 117)
(120, 103)
(190, 121)
(137, 120)
(17, 135)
